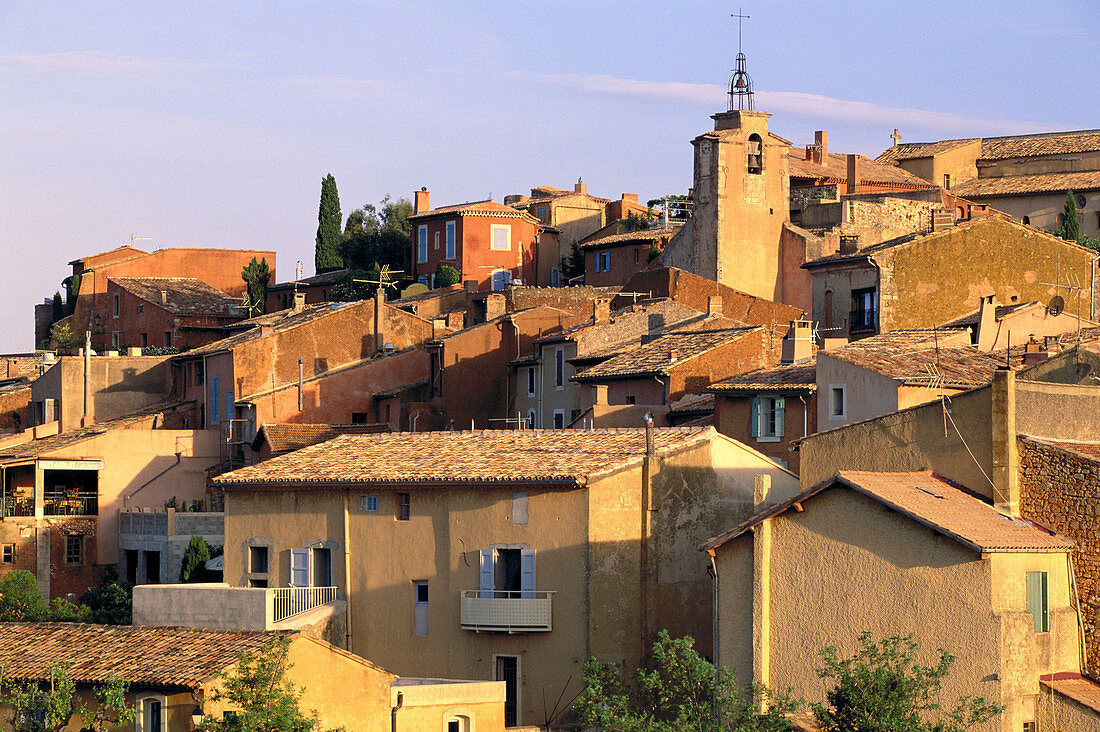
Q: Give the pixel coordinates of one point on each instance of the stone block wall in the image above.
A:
(1061, 490)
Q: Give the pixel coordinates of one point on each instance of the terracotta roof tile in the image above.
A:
(662, 353)
(1087, 450)
(1074, 686)
(277, 322)
(973, 317)
(915, 150)
(628, 237)
(285, 437)
(143, 656)
(184, 295)
(836, 168)
(478, 208)
(1022, 185)
(1002, 148)
(481, 456)
(693, 404)
(325, 278)
(932, 501)
(918, 362)
(792, 377)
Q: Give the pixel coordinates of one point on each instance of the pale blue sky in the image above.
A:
(211, 124)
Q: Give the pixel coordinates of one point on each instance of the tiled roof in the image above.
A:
(914, 150)
(1003, 148)
(184, 295)
(629, 237)
(325, 278)
(143, 656)
(1087, 450)
(284, 437)
(792, 377)
(481, 456)
(1074, 686)
(1000, 312)
(932, 501)
(835, 167)
(478, 208)
(920, 363)
(693, 404)
(1023, 185)
(662, 353)
(280, 321)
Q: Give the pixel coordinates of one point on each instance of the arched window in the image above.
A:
(1027, 221)
(458, 721)
(755, 149)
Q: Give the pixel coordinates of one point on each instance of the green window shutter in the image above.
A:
(754, 425)
(780, 416)
(1037, 600)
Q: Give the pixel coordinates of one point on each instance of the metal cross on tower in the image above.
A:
(741, 82)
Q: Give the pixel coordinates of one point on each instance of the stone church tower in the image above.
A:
(742, 201)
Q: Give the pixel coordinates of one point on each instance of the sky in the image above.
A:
(211, 124)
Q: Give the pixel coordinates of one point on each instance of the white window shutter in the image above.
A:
(754, 423)
(485, 574)
(527, 573)
(780, 415)
(299, 567)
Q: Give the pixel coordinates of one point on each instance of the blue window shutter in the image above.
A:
(485, 573)
(228, 406)
(299, 567)
(780, 412)
(754, 424)
(214, 400)
(527, 573)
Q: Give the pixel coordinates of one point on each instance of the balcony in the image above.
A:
(217, 605)
(291, 601)
(500, 611)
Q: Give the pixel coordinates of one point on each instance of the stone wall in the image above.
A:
(1061, 490)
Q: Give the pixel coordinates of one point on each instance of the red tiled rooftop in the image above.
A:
(182, 295)
(662, 354)
(933, 502)
(1024, 185)
(628, 237)
(835, 167)
(569, 456)
(791, 377)
(284, 437)
(1074, 686)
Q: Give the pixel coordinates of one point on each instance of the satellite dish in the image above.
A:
(1056, 306)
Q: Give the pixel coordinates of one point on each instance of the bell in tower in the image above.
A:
(740, 95)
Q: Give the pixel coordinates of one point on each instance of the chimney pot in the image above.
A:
(580, 186)
(798, 345)
(714, 305)
(164, 297)
(601, 311)
(299, 301)
(986, 337)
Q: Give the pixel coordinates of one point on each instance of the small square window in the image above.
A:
(838, 401)
(74, 549)
(257, 559)
(368, 504)
(141, 307)
(403, 504)
(9, 554)
(421, 592)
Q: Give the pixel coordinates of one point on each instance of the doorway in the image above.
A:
(508, 671)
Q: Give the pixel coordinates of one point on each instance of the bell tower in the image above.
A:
(742, 194)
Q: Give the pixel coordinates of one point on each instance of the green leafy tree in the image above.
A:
(446, 275)
(682, 691)
(49, 705)
(882, 688)
(194, 560)
(257, 686)
(110, 604)
(72, 289)
(20, 598)
(327, 253)
(1070, 230)
(378, 235)
(64, 339)
(256, 276)
(573, 265)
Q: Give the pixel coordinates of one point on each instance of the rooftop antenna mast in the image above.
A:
(740, 94)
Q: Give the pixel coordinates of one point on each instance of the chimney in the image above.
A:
(455, 321)
(495, 305)
(1034, 351)
(300, 301)
(821, 147)
(810, 153)
(986, 337)
(853, 173)
(379, 318)
(164, 297)
(798, 344)
(714, 305)
(470, 285)
(672, 356)
(580, 187)
(849, 243)
(601, 311)
(420, 201)
(1006, 485)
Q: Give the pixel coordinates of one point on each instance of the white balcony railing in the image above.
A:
(507, 612)
(290, 601)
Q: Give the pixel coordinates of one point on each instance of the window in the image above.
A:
(768, 418)
(299, 568)
(152, 567)
(559, 419)
(506, 571)
(420, 608)
(863, 310)
(151, 714)
(501, 237)
(501, 278)
(423, 279)
(947, 181)
(140, 307)
(755, 154)
(143, 339)
(1027, 221)
(368, 504)
(320, 574)
(559, 368)
(1037, 600)
(422, 244)
(1029, 726)
(359, 418)
(167, 339)
(541, 212)
(1081, 201)
(257, 559)
(603, 262)
(631, 399)
(507, 670)
(115, 305)
(435, 241)
(838, 401)
(531, 381)
(555, 276)
(637, 255)
(519, 507)
(114, 339)
(9, 554)
(531, 421)
(450, 240)
(74, 549)
(403, 505)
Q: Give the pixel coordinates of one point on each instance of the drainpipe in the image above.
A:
(714, 616)
(143, 486)
(299, 385)
(85, 419)
(395, 710)
(347, 577)
(648, 553)
(762, 588)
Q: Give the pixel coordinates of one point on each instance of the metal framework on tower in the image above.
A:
(740, 94)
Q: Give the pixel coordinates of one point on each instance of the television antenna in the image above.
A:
(383, 277)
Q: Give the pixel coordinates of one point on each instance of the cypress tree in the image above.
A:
(1070, 230)
(257, 275)
(327, 254)
(58, 307)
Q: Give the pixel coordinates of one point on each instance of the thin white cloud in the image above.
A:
(817, 106)
(94, 63)
(343, 88)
